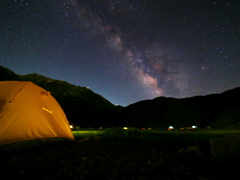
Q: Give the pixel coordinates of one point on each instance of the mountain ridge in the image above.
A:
(214, 110)
(82, 106)
(86, 108)
(63, 87)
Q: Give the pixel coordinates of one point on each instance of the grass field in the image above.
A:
(87, 133)
(173, 136)
(122, 154)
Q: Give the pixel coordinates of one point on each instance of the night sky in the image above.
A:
(125, 50)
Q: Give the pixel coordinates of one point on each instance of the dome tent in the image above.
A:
(28, 112)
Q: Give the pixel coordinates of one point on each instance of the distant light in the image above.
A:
(125, 128)
(71, 126)
(194, 127)
(170, 127)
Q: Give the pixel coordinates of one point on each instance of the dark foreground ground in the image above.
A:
(109, 159)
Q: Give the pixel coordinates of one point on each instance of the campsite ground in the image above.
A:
(117, 159)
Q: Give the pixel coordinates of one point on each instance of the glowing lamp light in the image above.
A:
(194, 127)
(71, 126)
(170, 127)
(125, 128)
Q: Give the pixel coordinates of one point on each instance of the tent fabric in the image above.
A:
(28, 112)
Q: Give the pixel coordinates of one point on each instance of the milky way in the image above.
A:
(125, 50)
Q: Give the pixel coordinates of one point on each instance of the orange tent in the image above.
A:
(28, 112)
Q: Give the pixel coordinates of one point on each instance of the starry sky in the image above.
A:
(125, 50)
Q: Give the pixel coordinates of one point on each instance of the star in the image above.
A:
(126, 51)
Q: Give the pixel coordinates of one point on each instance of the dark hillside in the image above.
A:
(8, 75)
(63, 88)
(82, 106)
(85, 108)
(217, 110)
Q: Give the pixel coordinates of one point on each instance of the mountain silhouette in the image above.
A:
(8, 75)
(82, 106)
(85, 108)
(216, 110)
